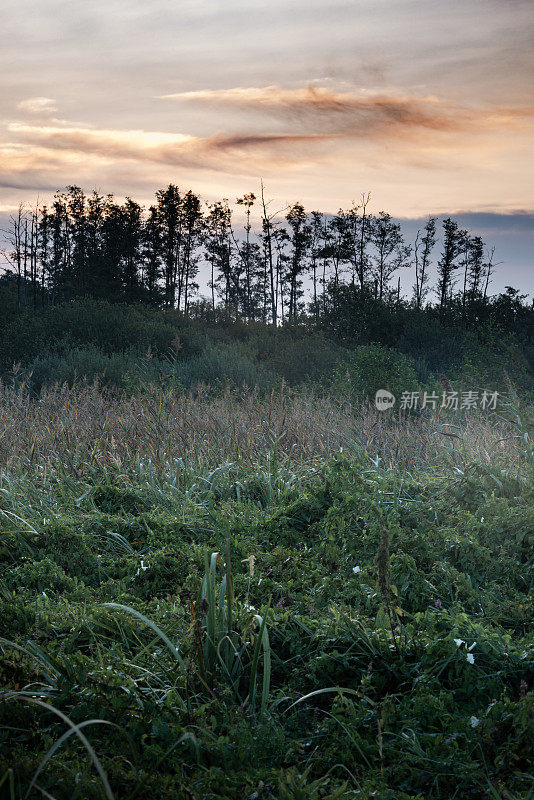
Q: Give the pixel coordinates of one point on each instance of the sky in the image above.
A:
(428, 105)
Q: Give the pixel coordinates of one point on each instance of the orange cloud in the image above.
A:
(317, 138)
(355, 114)
(169, 148)
(47, 149)
(427, 132)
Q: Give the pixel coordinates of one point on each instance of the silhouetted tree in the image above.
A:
(391, 252)
(245, 253)
(299, 238)
(152, 250)
(448, 262)
(218, 244)
(169, 203)
(187, 259)
(267, 227)
(92, 245)
(424, 244)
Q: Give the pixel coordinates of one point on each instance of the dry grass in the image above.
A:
(85, 425)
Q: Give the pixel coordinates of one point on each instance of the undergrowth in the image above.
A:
(275, 626)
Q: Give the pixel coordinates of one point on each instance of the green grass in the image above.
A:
(292, 622)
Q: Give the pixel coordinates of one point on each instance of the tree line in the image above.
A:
(93, 245)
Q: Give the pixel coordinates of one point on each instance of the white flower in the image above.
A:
(471, 658)
(143, 567)
(474, 722)
(459, 642)
(356, 570)
(470, 648)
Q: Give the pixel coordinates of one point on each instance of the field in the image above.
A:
(277, 596)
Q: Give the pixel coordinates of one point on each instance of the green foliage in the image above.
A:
(280, 628)
(111, 328)
(298, 355)
(215, 366)
(373, 367)
(222, 364)
(79, 364)
(358, 343)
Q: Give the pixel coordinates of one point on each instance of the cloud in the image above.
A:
(259, 141)
(314, 143)
(105, 143)
(355, 113)
(312, 126)
(38, 105)
(49, 149)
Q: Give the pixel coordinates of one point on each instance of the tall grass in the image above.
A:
(72, 429)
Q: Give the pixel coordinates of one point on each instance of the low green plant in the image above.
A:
(284, 621)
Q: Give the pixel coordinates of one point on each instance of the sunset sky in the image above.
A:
(429, 105)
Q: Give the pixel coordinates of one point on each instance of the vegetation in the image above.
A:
(93, 285)
(225, 573)
(270, 596)
(127, 347)
(89, 245)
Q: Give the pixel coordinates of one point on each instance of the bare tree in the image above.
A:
(14, 253)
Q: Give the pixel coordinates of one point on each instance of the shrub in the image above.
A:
(223, 363)
(80, 364)
(297, 355)
(373, 367)
(111, 328)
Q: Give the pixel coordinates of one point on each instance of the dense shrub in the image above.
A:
(112, 328)
(223, 363)
(79, 364)
(130, 346)
(373, 367)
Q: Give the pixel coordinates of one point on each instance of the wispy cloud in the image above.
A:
(122, 144)
(38, 105)
(418, 100)
(355, 113)
(53, 149)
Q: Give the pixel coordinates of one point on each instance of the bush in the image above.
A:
(373, 367)
(223, 363)
(297, 355)
(111, 328)
(78, 364)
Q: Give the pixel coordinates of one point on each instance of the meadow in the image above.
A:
(237, 593)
